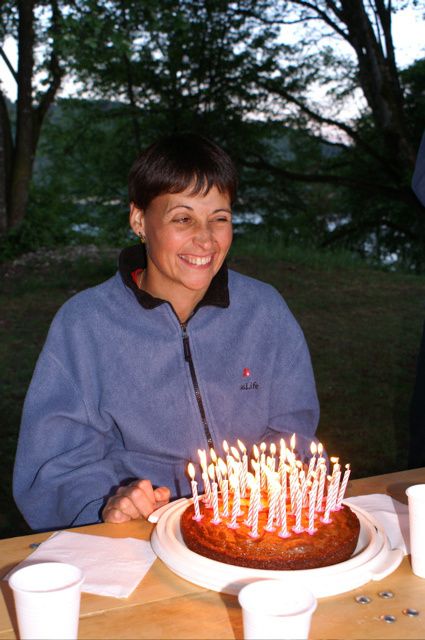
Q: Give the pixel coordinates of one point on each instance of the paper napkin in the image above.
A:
(391, 514)
(112, 566)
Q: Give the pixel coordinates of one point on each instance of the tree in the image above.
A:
(377, 147)
(30, 23)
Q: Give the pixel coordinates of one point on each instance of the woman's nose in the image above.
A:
(203, 235)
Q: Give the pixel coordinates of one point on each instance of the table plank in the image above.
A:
(206, 615)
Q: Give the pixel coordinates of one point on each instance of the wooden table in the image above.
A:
(165, 606)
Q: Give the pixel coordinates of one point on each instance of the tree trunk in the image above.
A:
(6, 151)
(23, 156)
(379, 78)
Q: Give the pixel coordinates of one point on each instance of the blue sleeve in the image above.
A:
(418, 180)
(62, 471)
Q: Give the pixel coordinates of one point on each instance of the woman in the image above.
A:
(173, 354)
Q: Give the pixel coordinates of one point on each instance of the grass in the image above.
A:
(363, 327)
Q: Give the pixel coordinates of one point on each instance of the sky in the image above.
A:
(408, 36)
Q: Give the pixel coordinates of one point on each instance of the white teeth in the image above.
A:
(197, 261)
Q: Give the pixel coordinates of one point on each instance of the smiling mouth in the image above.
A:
(197, 261)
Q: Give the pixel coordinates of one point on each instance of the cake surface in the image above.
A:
(332, 543)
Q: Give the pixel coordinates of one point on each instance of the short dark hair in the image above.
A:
(176, 162)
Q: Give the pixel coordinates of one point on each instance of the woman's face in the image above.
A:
(187, 239)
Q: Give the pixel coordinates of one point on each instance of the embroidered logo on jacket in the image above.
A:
(247, 386)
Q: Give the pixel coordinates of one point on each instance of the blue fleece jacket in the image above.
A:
(112, 396)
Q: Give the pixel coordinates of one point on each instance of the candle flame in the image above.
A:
(222, 466)
(213, 455)
(334, 459)
(241, 446)
(273, 449)
(320, 448)
(292, 441)
(282, 446)
(347, 466)
(235, 453)
(202, 459)
(255, 452)
(263, 447)
(313, 448)
(191, 471)
(211, 472)
(225, 446)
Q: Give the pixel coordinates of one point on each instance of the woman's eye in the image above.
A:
(182, 219)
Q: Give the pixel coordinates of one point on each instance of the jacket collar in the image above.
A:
(134, 257)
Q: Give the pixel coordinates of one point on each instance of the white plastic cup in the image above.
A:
(416, 498)
(275, 609)
(47, 600)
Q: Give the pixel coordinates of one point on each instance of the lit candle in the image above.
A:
(320, 459)
(282, 455)
(336, 476)
(194, 485)
(214, 495)
(263, 448)
(236, 504)
(256, 467)
(312, 505)
(343, 487)
(298, 511)
(236, 464)
(205, 479)
(283, 533)
(226, 451)
(272, 465)
(321, 488)
(251, 486)
(224, 488)
(214, 459)
(291, 459)
(292, 443)
(203, 459)
(274, 493)
(330, 500)
(311, 466)
(336, 466)
(293, 488)
(244, 471)
(255, 511)
(302, 480)
(236, 477)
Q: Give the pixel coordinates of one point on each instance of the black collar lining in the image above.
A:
(134, 257)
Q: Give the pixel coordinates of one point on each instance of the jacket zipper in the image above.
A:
(188, 358)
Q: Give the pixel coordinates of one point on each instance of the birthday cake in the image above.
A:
(331, 543)
(284, 515)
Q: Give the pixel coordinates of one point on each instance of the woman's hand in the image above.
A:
(137, 500)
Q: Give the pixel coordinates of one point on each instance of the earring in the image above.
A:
(142, 238)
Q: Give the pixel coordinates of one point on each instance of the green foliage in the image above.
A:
(314, 176)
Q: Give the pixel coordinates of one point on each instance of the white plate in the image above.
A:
(373, 559)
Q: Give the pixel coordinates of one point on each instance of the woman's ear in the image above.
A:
(137, 220)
